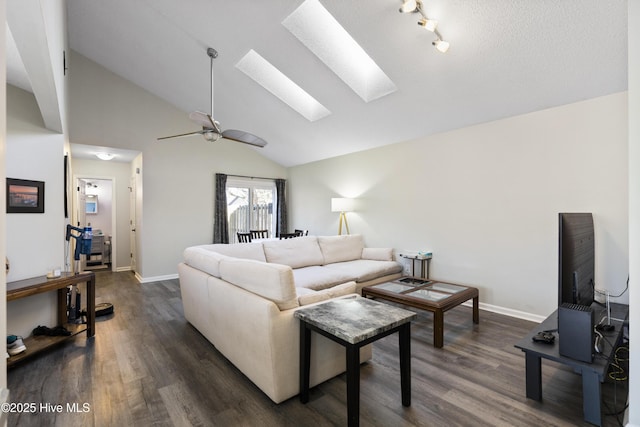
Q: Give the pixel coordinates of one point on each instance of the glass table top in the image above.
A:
(428, 294)
(446, 287)
(394, 287)
(421, 288)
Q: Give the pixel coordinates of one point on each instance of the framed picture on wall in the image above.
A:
(25, 196)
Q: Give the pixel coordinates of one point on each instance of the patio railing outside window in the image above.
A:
(260, 217)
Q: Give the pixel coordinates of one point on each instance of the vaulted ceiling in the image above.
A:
(507, 57)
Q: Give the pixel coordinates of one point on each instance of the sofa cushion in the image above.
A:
(271, 281)
(251, 250)
(203, 259)
(362, 270)
(308, 296)
(296, 253)
(317, 277)
(378, 254)
(341, 248)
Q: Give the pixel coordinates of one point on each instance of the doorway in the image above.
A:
(250, 206)
(96, 207)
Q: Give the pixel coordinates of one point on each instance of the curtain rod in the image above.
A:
(250, 177)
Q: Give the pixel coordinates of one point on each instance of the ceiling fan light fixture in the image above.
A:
(211, 136)
(428, 24)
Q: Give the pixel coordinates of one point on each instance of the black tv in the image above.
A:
(576, 259)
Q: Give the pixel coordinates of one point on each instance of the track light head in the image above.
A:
(409, 6)
(441, 45)
(428, 24)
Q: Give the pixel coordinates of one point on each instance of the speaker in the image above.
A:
(575, 330)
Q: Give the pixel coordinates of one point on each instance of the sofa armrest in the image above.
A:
(263, 341)
(378, 254)
(271, 281)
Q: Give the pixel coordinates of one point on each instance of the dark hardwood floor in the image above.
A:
(147, 366)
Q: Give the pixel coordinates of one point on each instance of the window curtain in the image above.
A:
(220, 221)
(281, 209)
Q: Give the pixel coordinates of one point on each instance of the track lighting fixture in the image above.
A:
(415, 6)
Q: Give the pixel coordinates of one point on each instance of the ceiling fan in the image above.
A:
(211, 130)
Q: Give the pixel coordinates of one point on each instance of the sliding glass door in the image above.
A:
(250, 206)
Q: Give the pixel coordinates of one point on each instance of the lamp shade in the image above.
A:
(340, 204)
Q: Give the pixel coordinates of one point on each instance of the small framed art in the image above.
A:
(25, 196)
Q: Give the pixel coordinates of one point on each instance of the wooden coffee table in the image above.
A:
(431, 295)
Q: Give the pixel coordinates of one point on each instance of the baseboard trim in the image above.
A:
(156, 278)
(120, 269)
(508, 312)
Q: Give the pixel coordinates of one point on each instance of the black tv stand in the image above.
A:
(593, 374)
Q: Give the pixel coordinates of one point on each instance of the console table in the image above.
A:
(355, 322)
(592, 373)
(37, 285)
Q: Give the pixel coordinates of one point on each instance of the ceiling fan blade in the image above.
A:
(204, 120)
(199, 132)
(244, 137)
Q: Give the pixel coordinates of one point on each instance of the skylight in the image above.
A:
(319, 31)
(272, 79)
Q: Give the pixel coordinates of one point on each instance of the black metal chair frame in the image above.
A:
(288, 235)
(244, 237)
(259, 234)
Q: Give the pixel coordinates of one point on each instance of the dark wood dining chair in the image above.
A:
(301, 232)
(244, 237)
(288, 235)
(259, 234)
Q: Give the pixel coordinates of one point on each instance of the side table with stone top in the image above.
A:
(355, 322)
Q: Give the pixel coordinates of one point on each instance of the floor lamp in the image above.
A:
(342, 205)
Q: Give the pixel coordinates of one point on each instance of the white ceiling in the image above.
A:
(507, 57)
(88, 152)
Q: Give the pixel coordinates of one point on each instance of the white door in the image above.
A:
(80, 218)
(132, 222)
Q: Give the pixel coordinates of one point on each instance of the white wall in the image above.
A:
(3, 128)
(634, 209)
(485, 199)
(178, 175)
(34, 242)
(120, 172)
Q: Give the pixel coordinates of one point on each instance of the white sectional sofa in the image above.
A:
(242, 297)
